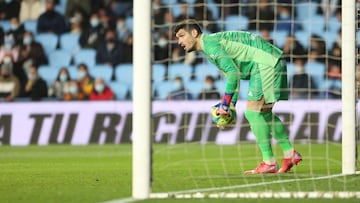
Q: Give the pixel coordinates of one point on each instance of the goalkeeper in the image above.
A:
(242, 55)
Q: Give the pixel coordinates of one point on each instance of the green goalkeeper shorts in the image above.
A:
(268, 82)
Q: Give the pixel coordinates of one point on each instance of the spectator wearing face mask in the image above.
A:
(101, 91)
(9, 83)
(17, 30)
(179, 91)
(17, 71)
(161, 50)
(93, 34)
(110, 51)
(74, 93)
(302, 85)
(31, 52)
(9, 9)
(85, 80)
(209, 90)
(61, 85)
(51, 21)
(36, 88)
(122, 30)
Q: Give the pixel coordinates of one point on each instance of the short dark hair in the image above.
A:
(188, 25)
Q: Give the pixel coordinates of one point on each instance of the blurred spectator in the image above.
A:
(82, 7)
(179, 92)
(285, 19)
(16, 31)
(36, 88)
(107, 18)
(110, 52)
(204, 16)
(121, 29)
(333, 83)
(317, 49)
(51, 21)
(161, 49)
(265, 34)
(302, 85)
(101, 91)
(85, 80)
(9, 49)
(261, 16)
(9, 9)
(9, 83)
(184, 13)
(31, 9)
(31, 52)
(123, 7)
(92, 35)
(159, 11)
(329, 7)
(61, 84)
(17, 71)
(2, 35)
(209, 91)
(127, 50)
(74, 93)
(293, 48)
(334, 56)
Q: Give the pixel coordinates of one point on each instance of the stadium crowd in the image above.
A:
(82, 49)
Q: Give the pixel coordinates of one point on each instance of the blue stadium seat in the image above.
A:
(73, 72)
(244, 86)
(59, 58)
(279, 37)
(61, 7)
(180, 69)
(214, 10)
(124, 73)
(303, 37)
(195, 87)
(317, 72)
(86, 56)
(306, 10)
(49, 41)
(163, 89)
(358, 38)
(290, 70)
(130, 23)
(49, 74)
(158, 72)
(315, 25)
(30, 25)
(103, 71)
(70, 42)
(120, 89)
(204, 69)
(330, 38)
(220, 85)
(236, 22)
(5, 24)
(334, 25)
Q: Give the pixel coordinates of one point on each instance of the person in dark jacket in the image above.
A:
(209, 91)
(36, 88)
(51, 21)
(9, 9)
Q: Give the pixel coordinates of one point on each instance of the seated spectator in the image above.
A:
(161, 49)
(82, 6)
(292, 48)
(302, 85)
(74, 93)
(2, 35)
(261, 17)
(93, 34)
(333, 84)
(61, 84)
(36, 88)
(31, 9)
(17, 30)
(9, 83)
(17, 71)
(85, 80)
(110, 52)
(9, 9)
(179, 92)
(122, 29)
(51, 21)
(209, 91)
(184, 12)
(284, 20)
(317, 48)
(9, 49)
(127, 50)
(31, 52)
(101, 91)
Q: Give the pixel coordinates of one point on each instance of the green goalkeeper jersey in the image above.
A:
(236, 53)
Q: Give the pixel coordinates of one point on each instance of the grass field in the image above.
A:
(96, 173)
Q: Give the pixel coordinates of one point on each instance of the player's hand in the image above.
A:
(222, 110)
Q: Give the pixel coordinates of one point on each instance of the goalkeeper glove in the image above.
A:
(223, 106)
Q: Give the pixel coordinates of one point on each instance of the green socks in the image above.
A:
(264, 123)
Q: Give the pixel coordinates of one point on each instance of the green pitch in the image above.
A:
(101, 173)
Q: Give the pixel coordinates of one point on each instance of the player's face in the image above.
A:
(186, 40)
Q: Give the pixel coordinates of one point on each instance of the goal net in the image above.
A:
(192, 158)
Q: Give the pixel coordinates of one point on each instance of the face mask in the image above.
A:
(284, 15)
(177, 85)
(99, 87)
(32, 76)
(7, 60)
(162, 43)
(207, 86)
(13, 26)
(299, 69)
(63, 77)
(120, 26)
(27, 40)
(81, 74)
(73, 90)
(94, 22)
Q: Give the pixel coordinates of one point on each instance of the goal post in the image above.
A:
(141, 138)
(349, 88)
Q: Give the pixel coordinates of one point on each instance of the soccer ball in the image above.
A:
(224, 120)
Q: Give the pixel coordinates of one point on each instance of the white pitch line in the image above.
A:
(124, 200)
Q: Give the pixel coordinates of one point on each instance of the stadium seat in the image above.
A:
(317, 72)
(330, 38)
(124, 73)
(204, 69)
(86, 56)
(31, 25)
(120, 89)
(49, 74)
(303, 37)
(59, 58)
(279, 37)
(290, 70)
(70, 42)
(236, 22)
(130, 23)
(5, 24)
(220, 85)
(158, 72)
(61, 6)
(214, 8)
(103, 71)
(163, 89)
(73, 72)
(306, 10)
(358, 38)
(315, 25)
(334, 25)
(180, 69)
(49, 41)
(244, 86)
(195, 87)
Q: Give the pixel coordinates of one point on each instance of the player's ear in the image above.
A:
(194, 33)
